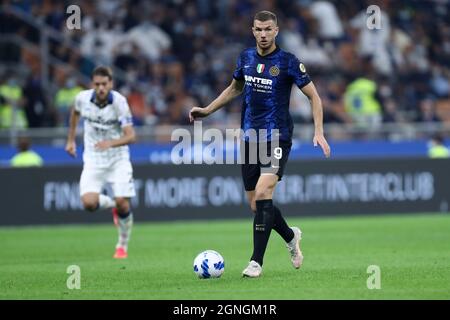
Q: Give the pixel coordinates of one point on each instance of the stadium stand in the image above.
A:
(171, 55)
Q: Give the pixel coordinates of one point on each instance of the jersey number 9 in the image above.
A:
(278, 152)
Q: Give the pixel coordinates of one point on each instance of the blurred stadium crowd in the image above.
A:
(171, 55)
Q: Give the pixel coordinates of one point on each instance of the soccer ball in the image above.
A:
(209, 264)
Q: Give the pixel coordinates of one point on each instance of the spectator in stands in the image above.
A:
(374, 42)
(427, 111)
(390, 112)
(334, 110)
(35, 103)
(26, 157)
(65, 98)
(186, 48)
(138, 105)
(427, 118)
(437, 148)
(151, 40)
(439, 82)
(362, 103)
(330, 25)
(11, 110)
(308, 48)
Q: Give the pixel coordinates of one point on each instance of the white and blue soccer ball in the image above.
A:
(209, 264)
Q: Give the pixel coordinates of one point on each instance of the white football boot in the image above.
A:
(253, 270)
(294, 248)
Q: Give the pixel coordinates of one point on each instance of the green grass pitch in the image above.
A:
(412, 251)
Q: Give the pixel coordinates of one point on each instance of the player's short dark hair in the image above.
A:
(102, 71)
(266, 16)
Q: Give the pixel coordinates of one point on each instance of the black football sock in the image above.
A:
(262, 226)
(281, 226)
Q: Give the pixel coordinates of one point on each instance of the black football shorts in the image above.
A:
(254, 164)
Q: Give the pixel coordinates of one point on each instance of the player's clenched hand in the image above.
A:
(197, 112)
(71, 148)
(103, 145)
(320, 140)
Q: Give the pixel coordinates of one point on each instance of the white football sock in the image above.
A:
(105, 202)
(124, 228)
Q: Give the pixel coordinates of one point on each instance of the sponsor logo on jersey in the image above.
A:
(274, 71)
(258, 80)
(260, 68)
(101, 121)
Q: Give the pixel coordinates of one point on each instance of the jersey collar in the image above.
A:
(277, 48)
(109, 100)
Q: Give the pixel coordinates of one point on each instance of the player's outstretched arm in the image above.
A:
(316, 103)
(71, 146)
(231, 92)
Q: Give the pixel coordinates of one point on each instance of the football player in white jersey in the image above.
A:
(108, 129)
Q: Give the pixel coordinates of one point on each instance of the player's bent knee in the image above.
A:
(90, 201)
(122, 204)
(90, 205)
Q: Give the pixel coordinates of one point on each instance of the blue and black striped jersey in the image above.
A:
(268, 82)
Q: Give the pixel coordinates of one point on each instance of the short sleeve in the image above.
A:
(238, 72)
(124, 114)
(297, 71)
(77, 103)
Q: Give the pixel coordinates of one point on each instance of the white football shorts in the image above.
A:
(119, 175)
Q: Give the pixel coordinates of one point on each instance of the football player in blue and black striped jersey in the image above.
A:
(265, 75)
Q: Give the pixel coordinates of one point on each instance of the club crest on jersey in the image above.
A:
(260, 68)
(274, 71)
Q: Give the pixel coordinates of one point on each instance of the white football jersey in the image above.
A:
(103, 123)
